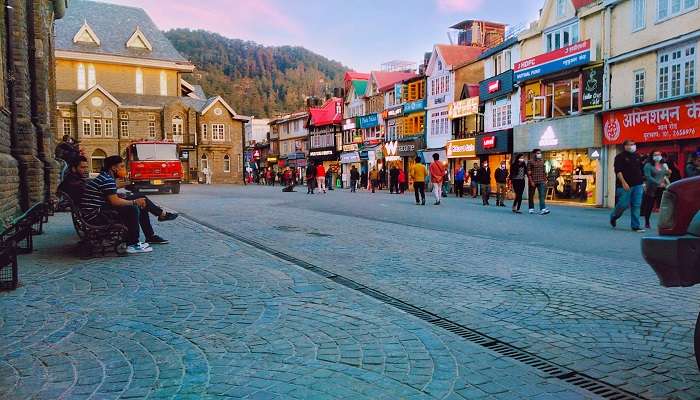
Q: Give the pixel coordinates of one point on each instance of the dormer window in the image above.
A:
(138, 41)
(86, 35)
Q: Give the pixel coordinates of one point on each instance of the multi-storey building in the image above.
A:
(119, 79)
(561, 88)
(257, 143)
(652, 61)
(355, 103)
(325, 126)
(293, 135)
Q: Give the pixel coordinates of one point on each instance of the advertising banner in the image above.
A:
(463, 148)
(592, 97)
(414, 106)
(464, 108)
(567, 57)
(369, 121)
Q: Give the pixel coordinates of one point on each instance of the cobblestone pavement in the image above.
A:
(565, 287)
(208, 317)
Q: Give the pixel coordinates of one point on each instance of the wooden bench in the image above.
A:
(16, 238)
(98, 239)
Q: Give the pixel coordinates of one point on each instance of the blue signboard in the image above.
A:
(369, 121)
(574, 60)
(414, 106)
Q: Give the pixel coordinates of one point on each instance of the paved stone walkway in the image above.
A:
(205, 317)
(590, 311)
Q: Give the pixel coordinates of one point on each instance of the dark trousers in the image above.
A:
(650, 199)
(485, 193)
(518, 188)
(128, 216)
(353, 185)
(459, 188)
(419, 191)
(144, 219)
(394, 187)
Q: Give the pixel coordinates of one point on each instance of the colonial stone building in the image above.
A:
(28, 170)
(120, 80)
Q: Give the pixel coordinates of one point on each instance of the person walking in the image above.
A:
(629, 186)
(518, 172)
(437, 174)
(374, 179)
(459, 181)
(484, 178)
(656, 177)
(537, 177)
(320, 177)
(354, 176)
(501, 176)
(692, 168)
(474, 180)
(445, 183)
(207, 175)
(417, 176)
(329, 179)
(364, 178)
(310, 178)
(394, 180)
(402, 181)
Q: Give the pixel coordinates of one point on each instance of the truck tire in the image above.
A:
(175, 188)
(697, 341)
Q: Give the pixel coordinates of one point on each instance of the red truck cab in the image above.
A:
(154, 165)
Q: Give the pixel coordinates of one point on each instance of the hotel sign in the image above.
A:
(391, 151)
(414, 106)
(575, 55)
(369, 121)
(464, 108)
(463, 148)
(666, 121)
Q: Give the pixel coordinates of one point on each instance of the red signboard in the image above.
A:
(489, 142)
(665, 121)
(494, 86)
(553, 55)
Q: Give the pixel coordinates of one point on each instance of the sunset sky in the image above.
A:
(359, 33)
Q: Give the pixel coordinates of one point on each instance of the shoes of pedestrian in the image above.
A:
(437, 203)
(647, 226)
(544, 211)
(155, 239)
(138, 249)
(418, 203)
(422, 203)
(167, 217)
(532, 211)
(503, 205)
(613, 222)
(638, 230)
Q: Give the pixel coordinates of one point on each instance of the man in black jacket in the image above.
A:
(484, 179)
(502, 184)
(354, 177)
(394, 180)
(73, 183)
(474, 180)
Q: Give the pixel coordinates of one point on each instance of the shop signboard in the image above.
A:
(577, 132)
(464, 108)
(414, 106)
(592, 97)
(349, 124)
(498, 86)
(320, 153)
(272, 159)
(391, 151)
(350, 147)
(574, 55)
(673, 120)
(357, 136)
(349, 158)
(462, 148)
(594, 153)
(499, 142)
(394, 112)
(369, 121)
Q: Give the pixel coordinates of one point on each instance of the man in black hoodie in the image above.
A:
(484, 178)
(394, 180)
(502, 184)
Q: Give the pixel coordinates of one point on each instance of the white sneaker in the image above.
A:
(143, 245)
(532, 211)
(544, 211)
(137, 249)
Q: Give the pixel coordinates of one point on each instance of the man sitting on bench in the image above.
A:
(75, 179)
(101, 195)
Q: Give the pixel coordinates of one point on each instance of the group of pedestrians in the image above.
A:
(317, 177)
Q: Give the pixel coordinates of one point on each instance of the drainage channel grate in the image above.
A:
(574, 378)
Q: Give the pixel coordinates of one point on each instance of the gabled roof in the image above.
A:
(331, 112)
(454, 55)
(86, 35)
(218, 99)
(360, 87)
(139, 41)
(102, 90)
(497, 49)
(352, 75)
(469, 90)
(114, 25)
(386, 80)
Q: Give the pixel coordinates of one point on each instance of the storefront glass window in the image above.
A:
(563, 97)
(571, 176)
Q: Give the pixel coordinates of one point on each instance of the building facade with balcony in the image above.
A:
(293, 137)
(119, 80)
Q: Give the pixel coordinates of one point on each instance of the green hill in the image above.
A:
(256, 80)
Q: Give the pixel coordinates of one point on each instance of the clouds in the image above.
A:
(459, 5)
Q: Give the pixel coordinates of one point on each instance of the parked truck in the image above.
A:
(154, 165)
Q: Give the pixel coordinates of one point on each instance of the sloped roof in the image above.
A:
(458, 55)
(360, 87)
(497, 49)
(582, 3)
(199, 91)
(352, 75)
(114, 25)
(328, 113)
(386, 80)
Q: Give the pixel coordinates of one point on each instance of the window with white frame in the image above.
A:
(440, 123)
(639, 80)
(676, 75)
(204, 131)
(97, 127)
(92, 78)
(639, 14)
(163, 83)
(67, 126)
(177, 125)
(502, 113)
(109, 129)
(152, 129)
(124, 128)
(563, 98)
(561, 37)
(227, 163)
(498, 64)
(321, 141)
(86, 127)
(139, 81)
(561, 8)
(347, 136)
(666, 9)
(507, 59)
(218, 132)
(82, 83)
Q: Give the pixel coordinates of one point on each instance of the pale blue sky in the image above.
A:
(359, 33)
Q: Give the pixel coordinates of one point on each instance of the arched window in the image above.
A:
(91, 77)
(204, 162)
(163, 83)
(227, 163)
(177, 127)
(97, 160)
(139, 81)
(82, 84)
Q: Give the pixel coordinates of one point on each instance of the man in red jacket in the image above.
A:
(321, 177)
(437, 174)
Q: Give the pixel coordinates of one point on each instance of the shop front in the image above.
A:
(461, 152)
(350, 157)
(495, 147)
(571, 148)
(670, 127)
(408, 149)
(464, 116)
